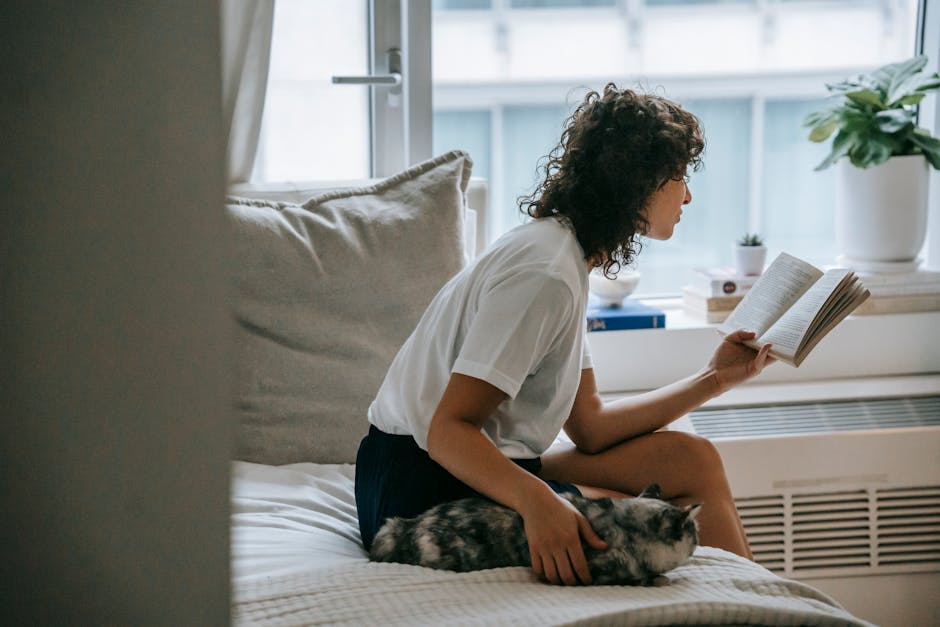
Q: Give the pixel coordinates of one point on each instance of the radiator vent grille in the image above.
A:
(908, 525)
(851, 532)
(831, 530)
(765, 521)
(822, 417)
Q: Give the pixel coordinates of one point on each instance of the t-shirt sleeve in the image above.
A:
(517, 323)
(586, 360)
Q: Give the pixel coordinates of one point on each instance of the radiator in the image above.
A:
(841, 491)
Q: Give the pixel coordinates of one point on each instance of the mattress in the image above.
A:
(297, 560)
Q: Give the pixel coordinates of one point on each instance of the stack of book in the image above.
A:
(714, 292)
(631, 315)
(901, 292)
(708, 308)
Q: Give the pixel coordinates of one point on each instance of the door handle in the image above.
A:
(392, 79)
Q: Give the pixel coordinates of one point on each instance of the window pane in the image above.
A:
(796, 204)
(313, 129)
(447, 5)
(465, 130)
(749, 69)
(719, 207)
(679, 2)
(528, 4)
(529, 133)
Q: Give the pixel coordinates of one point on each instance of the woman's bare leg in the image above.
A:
(687, 468)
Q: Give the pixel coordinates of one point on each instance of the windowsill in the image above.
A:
(889, 345)
(677, 317)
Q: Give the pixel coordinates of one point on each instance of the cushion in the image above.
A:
(325, 293)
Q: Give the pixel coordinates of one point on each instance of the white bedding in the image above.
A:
(297, 560)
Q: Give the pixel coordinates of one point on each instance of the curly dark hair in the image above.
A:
(616, 151)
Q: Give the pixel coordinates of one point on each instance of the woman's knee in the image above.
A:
(696, 453)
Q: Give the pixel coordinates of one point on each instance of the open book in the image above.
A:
(793, 305)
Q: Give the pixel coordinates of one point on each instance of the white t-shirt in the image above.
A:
(514, 318)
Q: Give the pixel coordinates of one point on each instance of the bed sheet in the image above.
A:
(297, 560)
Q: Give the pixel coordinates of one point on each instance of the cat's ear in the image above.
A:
(651, 491)
(691, 511)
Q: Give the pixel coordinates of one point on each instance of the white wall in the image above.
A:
(114, 330)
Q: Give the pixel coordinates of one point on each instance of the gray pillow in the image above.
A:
(325, 294)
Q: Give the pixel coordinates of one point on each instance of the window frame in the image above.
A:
(928, 42)
(402, 125)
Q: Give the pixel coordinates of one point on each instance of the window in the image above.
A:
(317, 128)
(750, 70)
(312, 128)
(506, 73)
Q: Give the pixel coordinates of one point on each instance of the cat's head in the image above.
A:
(669, 522)
(669, 532)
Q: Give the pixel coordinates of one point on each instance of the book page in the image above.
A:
(775, 291)
(855, 295)
(787, 333)
(832, 312)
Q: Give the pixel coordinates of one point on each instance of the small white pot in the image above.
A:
(881, 212)
(749, 259)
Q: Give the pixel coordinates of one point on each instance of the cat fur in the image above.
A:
(646, 536)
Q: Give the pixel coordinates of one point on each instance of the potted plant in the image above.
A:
(750, 254)
(881, 207)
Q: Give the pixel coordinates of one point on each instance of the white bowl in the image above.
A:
(611, 292)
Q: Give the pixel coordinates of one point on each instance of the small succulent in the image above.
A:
(751, 239)
(875, 116)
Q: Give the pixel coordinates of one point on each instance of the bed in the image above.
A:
(327, 284)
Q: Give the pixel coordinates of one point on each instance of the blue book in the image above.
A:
(632, 315)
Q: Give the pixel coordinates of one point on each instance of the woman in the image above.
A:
(499, 364)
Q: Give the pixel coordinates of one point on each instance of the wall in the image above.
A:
(114, 331)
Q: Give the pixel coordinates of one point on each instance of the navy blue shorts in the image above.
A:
(396, 477)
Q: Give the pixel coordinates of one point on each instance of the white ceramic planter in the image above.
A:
(749, 259)
(881, 213)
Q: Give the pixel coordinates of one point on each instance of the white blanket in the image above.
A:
(297, 560)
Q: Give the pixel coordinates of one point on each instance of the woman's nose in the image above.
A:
(688, 195)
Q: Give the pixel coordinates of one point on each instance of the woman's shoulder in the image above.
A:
(542, 237)
(542, 248)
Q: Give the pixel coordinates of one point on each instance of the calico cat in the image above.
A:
(646, 536)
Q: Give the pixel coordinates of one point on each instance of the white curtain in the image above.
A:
(246, 52)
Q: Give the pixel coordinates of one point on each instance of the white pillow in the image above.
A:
(325, 294)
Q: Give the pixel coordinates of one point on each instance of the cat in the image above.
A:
(646, 536)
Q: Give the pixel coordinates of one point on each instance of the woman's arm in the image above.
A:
(553, 526)
(594, 426)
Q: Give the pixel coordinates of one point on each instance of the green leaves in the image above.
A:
(894, 120)
(822, 132)
(751, 239)
(866, 97)
(932, 83)
(874, 116)
(824, 123)
(840, 147)
(901, 78)
(929, 145)
(911, 99)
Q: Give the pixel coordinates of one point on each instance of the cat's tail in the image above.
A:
(385, 545)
